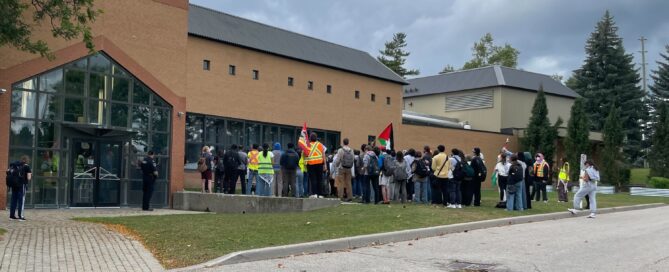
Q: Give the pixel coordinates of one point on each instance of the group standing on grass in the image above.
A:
(379, 176)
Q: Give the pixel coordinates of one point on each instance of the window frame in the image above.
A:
(232, 70)
(206, 65)
(310, 85)
(373, 97)
(356, 94)
(255, 74)
(291, 81)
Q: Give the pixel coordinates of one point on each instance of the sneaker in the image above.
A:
(320, 196)
(313, 196)
(592, 215)
(449, 206)
(572, 211)
(22, 219)
(545, 201)
(11, 218)
(459, 206)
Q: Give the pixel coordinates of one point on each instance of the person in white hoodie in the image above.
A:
(590, 178)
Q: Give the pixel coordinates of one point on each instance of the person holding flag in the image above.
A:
(314, 158)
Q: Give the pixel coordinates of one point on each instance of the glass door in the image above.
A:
(96, 168)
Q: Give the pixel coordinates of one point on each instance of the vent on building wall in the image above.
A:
(478, 100)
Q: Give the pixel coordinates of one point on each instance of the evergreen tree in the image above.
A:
(536, 129)
(613, 140)
(577, 141)
(659, 153)
(660, 87)
(394, 56)
(608, 75)
(550, 141)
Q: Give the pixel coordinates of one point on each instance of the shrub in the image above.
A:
(659, 182)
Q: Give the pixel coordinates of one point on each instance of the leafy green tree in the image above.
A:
(67, 19)
(608, 75)
(659, 152)
(447, 69)
(394, 56)
(485, 53)
(578, 140)
(613, 141)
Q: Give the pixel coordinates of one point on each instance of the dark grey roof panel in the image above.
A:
(484, 77)
(231, 29)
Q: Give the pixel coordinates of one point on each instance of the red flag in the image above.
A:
(303, 142)
(386, 138)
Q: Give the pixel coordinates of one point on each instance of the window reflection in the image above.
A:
(23, 104)
(22, 133)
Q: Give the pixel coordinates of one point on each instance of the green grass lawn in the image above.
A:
(182, 240)
(2, 231)
(639, 176)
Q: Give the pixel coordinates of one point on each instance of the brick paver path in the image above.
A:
(50, 241)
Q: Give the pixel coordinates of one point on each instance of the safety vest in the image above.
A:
(265, 164)
(564, 172)
(315, 155)
(253, 160)
(539, 169)
(303, 167)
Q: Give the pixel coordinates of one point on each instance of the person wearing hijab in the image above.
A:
(541, 174)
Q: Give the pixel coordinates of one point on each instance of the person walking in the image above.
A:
(441, 169)
(315, 165)
(19, 175)
(541, 175)
(514, 199)
(563, 181)
(149, 176)
(242, 168)
(589, 188)
(401, 175)
(420, 174)
(456, 176)
(265, 172)
(204, 166)
(344, 162)
(277, 187)
(290, 163)
(480, 173)
(502, 172)
(231, 163)
(252, 157)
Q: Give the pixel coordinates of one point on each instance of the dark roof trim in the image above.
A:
(297, 59)
(496, 86)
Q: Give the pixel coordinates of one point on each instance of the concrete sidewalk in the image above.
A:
(50, 241)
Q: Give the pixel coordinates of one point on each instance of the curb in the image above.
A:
(353, 242)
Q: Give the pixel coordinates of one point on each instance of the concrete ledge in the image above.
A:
(391, 237)
(223, 203)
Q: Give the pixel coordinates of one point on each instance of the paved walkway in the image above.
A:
(50, 241)
(623, 241)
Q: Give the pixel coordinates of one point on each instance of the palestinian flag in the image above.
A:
(386, 138)
(303, 142)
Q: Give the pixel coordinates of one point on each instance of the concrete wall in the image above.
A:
(220, 203)
(516, 107)
(481, 119)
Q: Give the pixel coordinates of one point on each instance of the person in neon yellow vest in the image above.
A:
(265, 171)
(563, 181)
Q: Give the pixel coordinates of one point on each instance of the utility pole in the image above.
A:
(643, 64)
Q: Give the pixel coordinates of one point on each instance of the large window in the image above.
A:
(93, 92)
(221, 133)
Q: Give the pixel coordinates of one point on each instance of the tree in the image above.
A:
(558, 77)
(67, 19)
(660, 87)
(540, 136)
(394, 56)
(485, 53)
(578, 140)
(447, 69)
(608, 75)
(613, 140)
(659, 152)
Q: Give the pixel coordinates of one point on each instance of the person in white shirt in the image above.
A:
(502, 172)
(590, 178)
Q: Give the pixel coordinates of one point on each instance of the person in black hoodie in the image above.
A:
(474, 188)
(514, 198)
(289, 162)
(231, 163)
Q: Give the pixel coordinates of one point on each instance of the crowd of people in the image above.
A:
(377, 175)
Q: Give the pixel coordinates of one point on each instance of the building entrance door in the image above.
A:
(96, 171)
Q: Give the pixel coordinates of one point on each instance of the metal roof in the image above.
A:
(491, 76)
(223, 27)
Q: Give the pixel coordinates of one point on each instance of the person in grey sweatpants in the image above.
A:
(589, 188)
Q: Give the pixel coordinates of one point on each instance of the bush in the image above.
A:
(659, 182)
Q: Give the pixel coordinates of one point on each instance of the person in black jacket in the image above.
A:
(474, 187)
(289, 163)
(513, 199)
(149, 175)
(231, 163)
(22, 175)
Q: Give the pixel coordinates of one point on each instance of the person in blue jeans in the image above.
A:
(513, 185)
(24, 175)
(421, 184)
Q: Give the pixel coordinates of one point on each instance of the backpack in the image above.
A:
(400, 173)
(484, 170)
(291, 160)
(389, 165)
(373, 167)
(202, 165)
(459, 170)
(220, 166)
(348, 159)
(469, 171)
(15, 175)
(231, 160)
(421, 169)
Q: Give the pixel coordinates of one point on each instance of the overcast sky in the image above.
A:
(549, 34)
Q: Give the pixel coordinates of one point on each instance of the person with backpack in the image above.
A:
(231, 163)
(344, 162)
(241, 168)
(409, 157)
(387, 165)
(371, 174)
(357, 179)
(513, 186)
(480, 173)
(219, 173)
(204, 167)
(18, 176)
(290, 162)
(541, 175)
(401, 175)
(457, 175)
(442, 171)
(420, 174)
